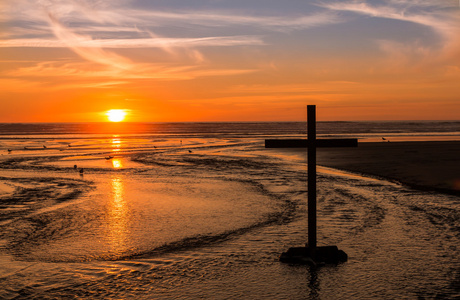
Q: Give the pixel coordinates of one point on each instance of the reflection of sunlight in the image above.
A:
(117, 163)
(116, 143)
(117, 217)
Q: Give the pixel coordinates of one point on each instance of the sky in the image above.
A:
(229, 60)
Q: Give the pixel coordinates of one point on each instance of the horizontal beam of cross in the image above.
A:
(303, 143)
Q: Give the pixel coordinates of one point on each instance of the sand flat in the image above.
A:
(196, 225)
(426, 165)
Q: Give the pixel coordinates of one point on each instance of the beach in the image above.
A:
(206, 217)
(423, 165)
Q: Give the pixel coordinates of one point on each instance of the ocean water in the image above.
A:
(203, 211)
(362, 130)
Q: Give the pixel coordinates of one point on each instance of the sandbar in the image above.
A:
(427, 165)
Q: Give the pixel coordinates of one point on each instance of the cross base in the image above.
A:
(314, 256)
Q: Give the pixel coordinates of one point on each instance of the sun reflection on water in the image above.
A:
(117, 163)
(118, 217)
(116, 143)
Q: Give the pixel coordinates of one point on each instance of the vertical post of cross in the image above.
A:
(312, 254)
(311, 131)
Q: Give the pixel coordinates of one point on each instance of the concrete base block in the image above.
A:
(314, 256)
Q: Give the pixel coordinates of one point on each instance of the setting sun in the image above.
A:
(116, 115)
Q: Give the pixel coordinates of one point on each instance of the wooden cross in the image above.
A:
(311, 144)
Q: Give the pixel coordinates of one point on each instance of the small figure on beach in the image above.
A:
(75, 167)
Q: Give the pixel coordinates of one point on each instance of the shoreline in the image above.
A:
(427, 165)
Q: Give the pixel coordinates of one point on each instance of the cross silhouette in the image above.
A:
(312, 254)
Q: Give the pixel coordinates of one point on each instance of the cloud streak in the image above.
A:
(75, 24)
(90, 29)
(73, 40)
(86, 16)
(442, 21)
(441, 17)
(82, 71)
(94, 54)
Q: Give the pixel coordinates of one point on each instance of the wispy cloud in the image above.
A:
(441, 17)
(113, 17)
(99, 75)
(434, 18)
(92, 29)
(94, 54)
(221, 19)
(72, 40)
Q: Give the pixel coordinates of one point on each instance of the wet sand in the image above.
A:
(427, 165)
(164, 223)
(423, 165)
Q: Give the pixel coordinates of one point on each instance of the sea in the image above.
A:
(203, 211)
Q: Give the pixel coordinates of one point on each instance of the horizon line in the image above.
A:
(166, 122)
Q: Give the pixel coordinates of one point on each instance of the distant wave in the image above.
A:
(226, 128)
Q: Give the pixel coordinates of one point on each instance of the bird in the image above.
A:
(9, 150)
(81, 171)
(44, 147)
(108, 157)
(25, 148)
(189, 151)
(69, 145)
(75, 167)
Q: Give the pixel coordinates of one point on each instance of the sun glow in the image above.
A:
(117, 163)
(116, 115)
(118, 217)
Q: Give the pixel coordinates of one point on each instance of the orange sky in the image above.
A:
(63, 61)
